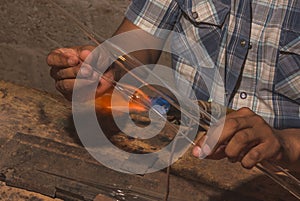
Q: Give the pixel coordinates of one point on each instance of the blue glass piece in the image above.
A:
(160, 104)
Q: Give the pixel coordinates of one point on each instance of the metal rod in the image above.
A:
(280, 181)
(119, 54)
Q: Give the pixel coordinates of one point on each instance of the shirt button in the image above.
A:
(243, 95)
(195, 15)
(243, 43)
(250, 45)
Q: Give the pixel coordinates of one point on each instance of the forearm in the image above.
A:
(145, 56)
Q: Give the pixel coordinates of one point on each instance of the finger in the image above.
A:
(65, 86)
(244, 151)
(86, 71)
(64, 73)
(63, 58)
(200, 142)
(203, 150)
(85, 52)
(254, 156)
(259, 153)
(85, 89)
(231, 126)
(239, 143)
(221, 135)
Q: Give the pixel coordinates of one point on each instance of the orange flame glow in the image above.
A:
(135, 104)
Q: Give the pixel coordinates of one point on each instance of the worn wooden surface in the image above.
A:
(15, 194)
(48, 117)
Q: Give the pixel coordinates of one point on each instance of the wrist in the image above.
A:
(290, 143)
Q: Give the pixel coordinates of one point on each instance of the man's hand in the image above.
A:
(245, 137)
(65, 65)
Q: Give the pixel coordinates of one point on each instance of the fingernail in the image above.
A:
(198, 152)
(85, 72)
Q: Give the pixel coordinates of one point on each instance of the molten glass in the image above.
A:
(138, 102)
(104, 104)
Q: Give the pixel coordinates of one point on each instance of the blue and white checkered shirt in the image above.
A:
(255, 43)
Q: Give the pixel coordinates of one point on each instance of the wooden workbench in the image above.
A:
(40, 151)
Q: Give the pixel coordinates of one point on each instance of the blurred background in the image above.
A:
(30, 29)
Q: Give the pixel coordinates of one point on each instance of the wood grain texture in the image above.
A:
(48, 117)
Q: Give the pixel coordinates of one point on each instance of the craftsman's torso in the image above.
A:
(254, 44)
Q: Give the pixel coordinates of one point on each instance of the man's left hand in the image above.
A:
(245, 137)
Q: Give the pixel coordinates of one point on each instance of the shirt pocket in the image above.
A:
(287, 74)
(203, 22)
(212, 12)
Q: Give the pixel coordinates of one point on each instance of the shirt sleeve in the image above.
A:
(154, 16)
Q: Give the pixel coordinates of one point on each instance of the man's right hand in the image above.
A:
(65, 65)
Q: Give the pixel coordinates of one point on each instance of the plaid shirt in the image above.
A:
(254, 43)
